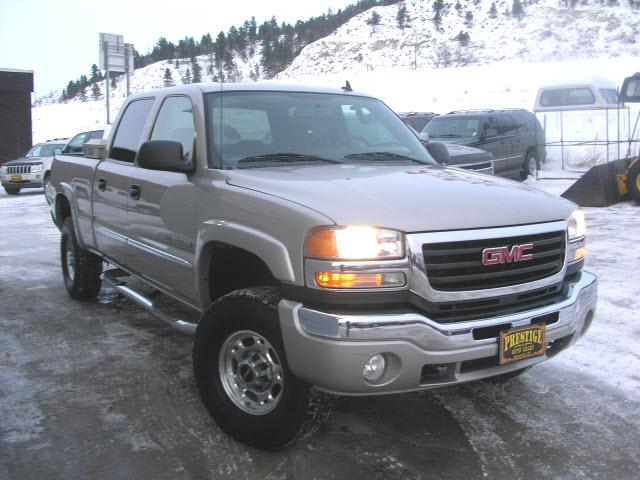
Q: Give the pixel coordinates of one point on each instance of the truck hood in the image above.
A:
(407, 198)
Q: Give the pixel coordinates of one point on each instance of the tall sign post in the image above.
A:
(115, 56)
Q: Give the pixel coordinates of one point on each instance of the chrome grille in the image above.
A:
(457, 266)
(18, 169)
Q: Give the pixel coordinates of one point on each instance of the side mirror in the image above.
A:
(163, 155)
(438, 151)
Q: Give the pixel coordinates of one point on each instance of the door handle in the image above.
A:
(102, 184)
(134, 191)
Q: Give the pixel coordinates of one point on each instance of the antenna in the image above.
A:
(347, 87)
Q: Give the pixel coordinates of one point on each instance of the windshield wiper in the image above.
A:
(389, 155)
(286, 157)
(449, 135)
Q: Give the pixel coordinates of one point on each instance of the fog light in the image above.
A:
(374, 368)
(579, 253)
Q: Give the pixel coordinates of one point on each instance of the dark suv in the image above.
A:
(514, 137)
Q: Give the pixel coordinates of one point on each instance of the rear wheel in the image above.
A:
(12, 190)
(243, 377)
(530, 165)
(81, 270)
(633, 181)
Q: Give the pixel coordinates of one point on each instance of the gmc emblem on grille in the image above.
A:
(497, 255)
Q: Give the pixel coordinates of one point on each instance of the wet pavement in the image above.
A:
(102, 390)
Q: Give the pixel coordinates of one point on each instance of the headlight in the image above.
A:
(354, 243)
(4, 169)
(576, 225)
(37, 168)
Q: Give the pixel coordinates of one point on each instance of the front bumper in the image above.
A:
(330, 350)
(27, 180)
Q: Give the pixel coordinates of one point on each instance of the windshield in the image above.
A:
(254, 128)
(453, 127)
(45, 150)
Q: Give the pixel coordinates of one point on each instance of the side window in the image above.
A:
(128, 136)
(567, 96)
(75, 145)
(506, 124)
(175, 122)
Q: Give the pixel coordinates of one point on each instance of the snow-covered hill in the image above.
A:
(548, 31)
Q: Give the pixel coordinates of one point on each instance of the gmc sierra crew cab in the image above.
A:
(321, 247)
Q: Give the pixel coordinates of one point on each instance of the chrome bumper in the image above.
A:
(330, 350)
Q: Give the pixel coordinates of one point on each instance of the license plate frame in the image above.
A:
(516, 344)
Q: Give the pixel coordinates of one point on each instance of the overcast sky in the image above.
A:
(58, 39)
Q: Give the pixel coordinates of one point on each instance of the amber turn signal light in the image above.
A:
(359, 280)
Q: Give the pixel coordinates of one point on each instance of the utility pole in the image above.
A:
(105, 49)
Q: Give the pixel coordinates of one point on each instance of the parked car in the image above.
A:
(75, 146)
(417, 120)
(31, 170)
(323, 249)
(515, 138)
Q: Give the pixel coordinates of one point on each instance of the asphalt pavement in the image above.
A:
(103, 390)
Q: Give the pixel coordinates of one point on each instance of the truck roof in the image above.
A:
(265, 86)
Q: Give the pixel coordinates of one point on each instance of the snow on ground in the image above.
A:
(610, 350)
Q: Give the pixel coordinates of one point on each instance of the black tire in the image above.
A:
(12, 190)
(300, 408)
(506, 377)
(81, 270)
(633, 181)
(45, 185)
(530, 166)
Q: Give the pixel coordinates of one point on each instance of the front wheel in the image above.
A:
(81, 270)
(12, 190)
(243, 377)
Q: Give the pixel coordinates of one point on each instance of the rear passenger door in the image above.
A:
(162, 214)
(496, 143)
(508, 131)
(112, 182)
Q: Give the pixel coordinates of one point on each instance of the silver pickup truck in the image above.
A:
(322, 248)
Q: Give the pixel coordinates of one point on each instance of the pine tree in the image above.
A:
(177, 63)
(517, 10)
(95, 91)
(438, 7)
(196, 71)
(96, 76)
(113, 81)
(83, 95)
(468, 19)
(374, 19)
(187, 77)
(168, 79)
(402, 17)
(493, 11)
(458, 7)
(463, 38)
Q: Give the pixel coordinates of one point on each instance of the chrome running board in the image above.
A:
(113, 277)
